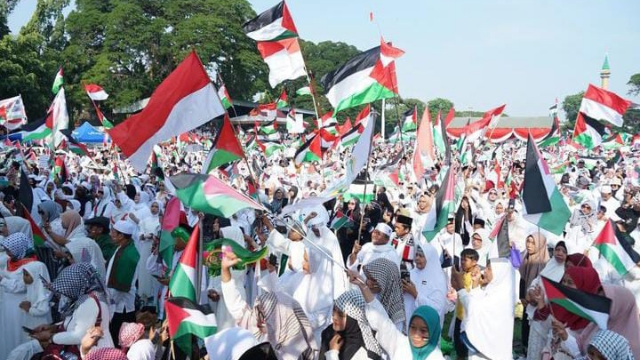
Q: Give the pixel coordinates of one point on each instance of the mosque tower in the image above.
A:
(605, 73)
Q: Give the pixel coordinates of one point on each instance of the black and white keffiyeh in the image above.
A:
(352, 303)
(76, 282)
(387, 275)
(612, 345)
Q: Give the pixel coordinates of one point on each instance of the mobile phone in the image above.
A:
(27, 330)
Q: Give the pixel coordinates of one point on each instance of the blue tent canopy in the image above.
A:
(88, 134)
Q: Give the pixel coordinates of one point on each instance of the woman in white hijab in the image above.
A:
(428, 285)
(149, 227)
(481, 243)
(36, 303)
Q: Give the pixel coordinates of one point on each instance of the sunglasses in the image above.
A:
(586, 207)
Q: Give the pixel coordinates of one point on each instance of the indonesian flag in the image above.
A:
(185, 100)
(600, 104)
(284, 60)
(95, 92)
(272, 25)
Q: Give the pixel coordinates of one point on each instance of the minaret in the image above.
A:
(605, 73)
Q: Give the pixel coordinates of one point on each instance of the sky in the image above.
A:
(479, 53)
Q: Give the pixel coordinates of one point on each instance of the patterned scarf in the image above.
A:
(288, 328)
(18, 244)
(76, 282)
(387, 275)
(611, 345)
(352, 303)
(106, 354)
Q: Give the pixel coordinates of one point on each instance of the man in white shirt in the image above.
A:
(121, 277)
(609, 202)
(379, 247)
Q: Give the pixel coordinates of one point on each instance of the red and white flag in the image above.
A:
(95, 92)
(185, 100)
(600, 104)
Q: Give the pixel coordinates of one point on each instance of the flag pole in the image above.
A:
(382, 117)
(366, 171)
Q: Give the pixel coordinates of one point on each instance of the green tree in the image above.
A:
(634, 84)
(27, 69)
(571, 106)
(129, 47)
(6, 7)
(439, 104)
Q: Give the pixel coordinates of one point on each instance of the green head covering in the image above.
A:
(432, 319)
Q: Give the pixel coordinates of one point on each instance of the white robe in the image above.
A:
(13, 291)
(147, 285)
(40, 310)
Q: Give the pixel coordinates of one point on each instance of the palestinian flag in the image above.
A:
(410, 117)
(367, 77)
(362, 192)
(58, 81)
(225, 99)
(269, 128)
(12, 113)
(594, 308)
(588, 132)
(282, 100)
(500, 233)
(615, 247)
(445, 205)
(553, 110)
(186, 318)
(543, 203)
(272, 25)
(38, 235)
(170, 221)
(214, 251)
(60, 169)
(327, 120)
(600, 104)
(183, 101)
(35, 131)
(270, 148)
(225, 149)
(553, 137)
(210, 195)
(340, 220)
(183, 280)
(74, 145)
(252, 143)
(344, 128)
(303, 91)
(108, 125)
(328, 139)
(309, 151)
(291, 123)
(95, 92)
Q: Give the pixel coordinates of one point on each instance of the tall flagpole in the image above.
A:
(384, 105)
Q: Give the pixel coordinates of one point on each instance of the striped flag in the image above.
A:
(615, 247)
(183, 280)
(594, 308)
(600, 104)
(271, 25)
(543, 203)
(185, 318)
(445, 204)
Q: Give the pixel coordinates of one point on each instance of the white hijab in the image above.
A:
(36, 292)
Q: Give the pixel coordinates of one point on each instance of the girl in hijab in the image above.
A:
(428, 284)
(36, 304)
(13, 290)
(383, 278)
(464, 219)
(534, 261)
(582, 224)
(81, 248)
(481, 243)
(279, 200)
(623, 315)
(50, 213)
(420, 212)
(424, 328)
(84, 305)
(349, 337)
(149, 229)
(276, 317)
(607, 345)
(132, 339)
(540, 327)
(104, 202)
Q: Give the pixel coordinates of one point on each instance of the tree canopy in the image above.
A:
(634, 85)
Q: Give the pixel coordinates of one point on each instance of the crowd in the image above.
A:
(345, 278)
